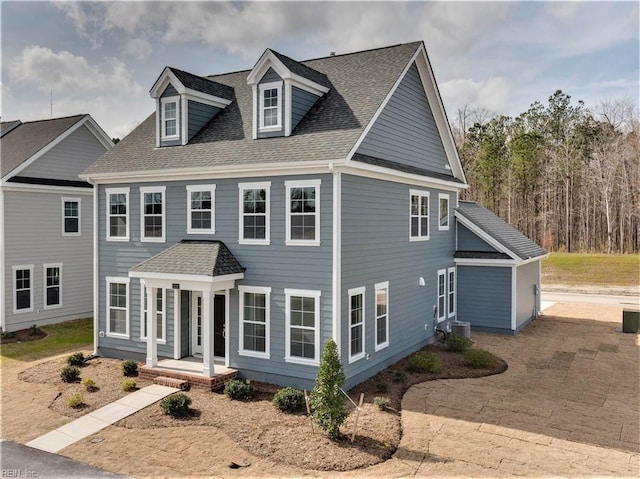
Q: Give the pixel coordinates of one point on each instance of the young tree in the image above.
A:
(329, 404)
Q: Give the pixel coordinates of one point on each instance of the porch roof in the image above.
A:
(192, 258)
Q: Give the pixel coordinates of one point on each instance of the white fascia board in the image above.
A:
(307, 85)
(25, 187)
(485, 237)
(207, 99)
(167, 278)
(163, 80)
(98, 132)
(494, 263)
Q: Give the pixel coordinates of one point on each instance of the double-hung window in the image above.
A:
(270, 106)
(451, 292)
(117, 200)
(443, 211)
(170, 124)
(419, 214)
(356, 324)
(23, 288)
(52, 285)
(254, 321)
(254, 213)
(117, 307)
(70, 216)
(160, 313)
(302, 317)
(446, 305)
(152, 213)
(382, 315)
(303, 212)
(201, 200)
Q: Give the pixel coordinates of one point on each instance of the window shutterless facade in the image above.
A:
(270, 106)
(419, 215)
(303, 213)
(117, 200)
(302, 317)
(22, 288)
(255, 211)
(170, 125)
(254, 321)
(356, 324)
(117, 307)
(152, 213)
(52, 285)
(201, 201)
(70, 216)
(443, 211)
(160, 314)
(382, 315)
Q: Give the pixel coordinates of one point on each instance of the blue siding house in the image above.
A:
(255, 215)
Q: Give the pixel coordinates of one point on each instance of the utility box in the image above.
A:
(631, 321)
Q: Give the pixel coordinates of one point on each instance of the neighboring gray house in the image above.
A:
(46, 218)
(256, 214)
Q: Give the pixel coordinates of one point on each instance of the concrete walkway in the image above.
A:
(97, 420)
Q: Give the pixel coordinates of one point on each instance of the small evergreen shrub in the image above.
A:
(238, 389)
(129, 368)
(89, 385)
(33, 330)
(382, 387)
(176, 405)
(7, 335)
(288, 399)
(480, 359)
(76, 359)
(70, 374)
(457, 343)
(128, 385)
(424, 362)
(399, 376)
(76, 400)
(381, 402)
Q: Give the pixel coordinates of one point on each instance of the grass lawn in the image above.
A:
(68, 336)
(591, 269)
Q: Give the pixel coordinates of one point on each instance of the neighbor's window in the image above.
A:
(303, 212)
(254, 213)
(23, 288)
(152, 213)
(118, 307)
(52, 285)
(70, 216)
(302, 315)
(270, 106)
(170, 118)
(160, 316)
(356, 324)
(419, 215)
(254, 321)
(117, 214)
(382, 315)
(201, 209)
(443, 210)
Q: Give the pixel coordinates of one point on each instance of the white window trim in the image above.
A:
(420, 237)
(379, 287)
(44, 275)
(267, 316)
(265, 185)
(451, 313)
(302, 184)
(310, 294)
(76, 200)
(261, 88)
(195, 188)
(441, 315)
(162, 191)
(15, 291)
(143, 294)
(108, 281)
(116, 191)
(356, 292)
(444, 196)
(169, 99)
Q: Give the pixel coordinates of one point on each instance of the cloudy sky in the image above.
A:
(102, 58)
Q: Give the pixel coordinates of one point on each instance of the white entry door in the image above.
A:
(196, 323)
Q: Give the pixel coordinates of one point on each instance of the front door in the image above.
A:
(219, 333)
(196, 323)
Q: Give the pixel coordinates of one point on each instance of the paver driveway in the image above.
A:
(569, 405)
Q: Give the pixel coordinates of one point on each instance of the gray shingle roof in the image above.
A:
(303, 70)
(359, 83)
(500, 230)
(414, 170)
(26, 139)
(7, 126)
(203, 85)
(193, 257)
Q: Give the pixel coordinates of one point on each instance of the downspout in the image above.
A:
(337, 253)
(96, 302)
(3, 303)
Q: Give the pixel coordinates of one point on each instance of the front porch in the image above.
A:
(189, 369)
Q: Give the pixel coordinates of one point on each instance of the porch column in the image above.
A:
(177, 324)
(152, 328)
(207, 334)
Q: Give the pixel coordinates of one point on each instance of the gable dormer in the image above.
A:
(283, 90)
(184, 104)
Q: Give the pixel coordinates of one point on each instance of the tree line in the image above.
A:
(565, 175)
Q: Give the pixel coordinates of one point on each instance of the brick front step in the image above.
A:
(195, 380)
(181, 384)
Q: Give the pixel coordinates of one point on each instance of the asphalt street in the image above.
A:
(555, 297)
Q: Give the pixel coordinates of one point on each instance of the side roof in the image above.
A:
(498, 232)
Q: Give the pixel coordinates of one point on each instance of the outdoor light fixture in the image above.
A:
(421, 282)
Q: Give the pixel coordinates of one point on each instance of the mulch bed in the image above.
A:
(29, 334)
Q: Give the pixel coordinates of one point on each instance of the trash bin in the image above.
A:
(461, 328)
(631, 320)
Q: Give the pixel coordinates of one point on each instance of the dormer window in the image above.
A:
(170, 118)
(270, 110)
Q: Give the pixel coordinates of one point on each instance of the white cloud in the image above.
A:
(492, 94)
